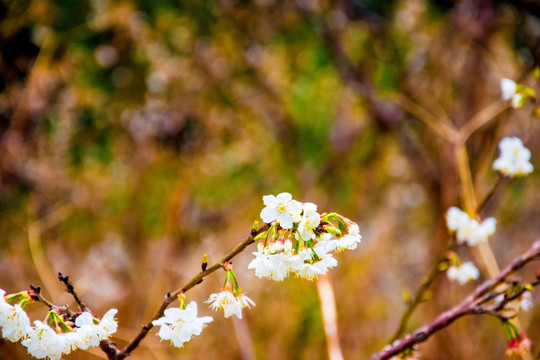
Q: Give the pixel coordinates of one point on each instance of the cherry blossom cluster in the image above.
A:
(514, 158)
(179, 325)
(231, 299)
(299, 239)
(41, 340)
(463, 273)
(469, 231)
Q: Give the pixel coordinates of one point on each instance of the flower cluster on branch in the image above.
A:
(299, 240)
(59, 334)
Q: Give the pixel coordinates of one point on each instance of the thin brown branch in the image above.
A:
(470, 305)
(482, 118)
(36, 295)
(489, 195)
(70, 289)
(418, 297)
(441, 128)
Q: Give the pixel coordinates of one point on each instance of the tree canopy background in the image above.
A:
(137, 135)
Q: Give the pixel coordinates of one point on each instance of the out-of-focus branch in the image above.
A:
(472, 304)
(418, 297)
(40, 260)
(489, 195)
(328, 309)
(481, 118)
(443, 129)
(111, 349)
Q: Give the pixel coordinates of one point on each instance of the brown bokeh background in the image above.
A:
(137, 135)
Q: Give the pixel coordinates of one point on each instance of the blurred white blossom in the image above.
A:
(463, 274)
(456, 219)
(508, 88)
(469, 231)
(14, 322)
(514, 158)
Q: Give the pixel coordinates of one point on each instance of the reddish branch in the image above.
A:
(472, 304)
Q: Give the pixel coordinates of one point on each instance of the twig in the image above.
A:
(111, 349)
(36, 295)
(485, 115)
(470, 305)
(489, 195)
(70, 289)
(418, 297)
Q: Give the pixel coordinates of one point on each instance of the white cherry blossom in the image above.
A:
(14, 322)
(469, 231)
(90, 333)
(514, 158)
(463, 274)
(71, 342)
(350, 240)
(281, 208)
(309, 222)
(271, 266)
(456, 219)
(474, 232)
(526, 302)
(180, 325)
(302, 250)
(44, 343)
(231, 304)
(108, 324)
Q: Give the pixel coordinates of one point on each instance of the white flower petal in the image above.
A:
(508, 88)
(180, 325)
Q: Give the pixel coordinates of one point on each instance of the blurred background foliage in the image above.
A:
(136, 135)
